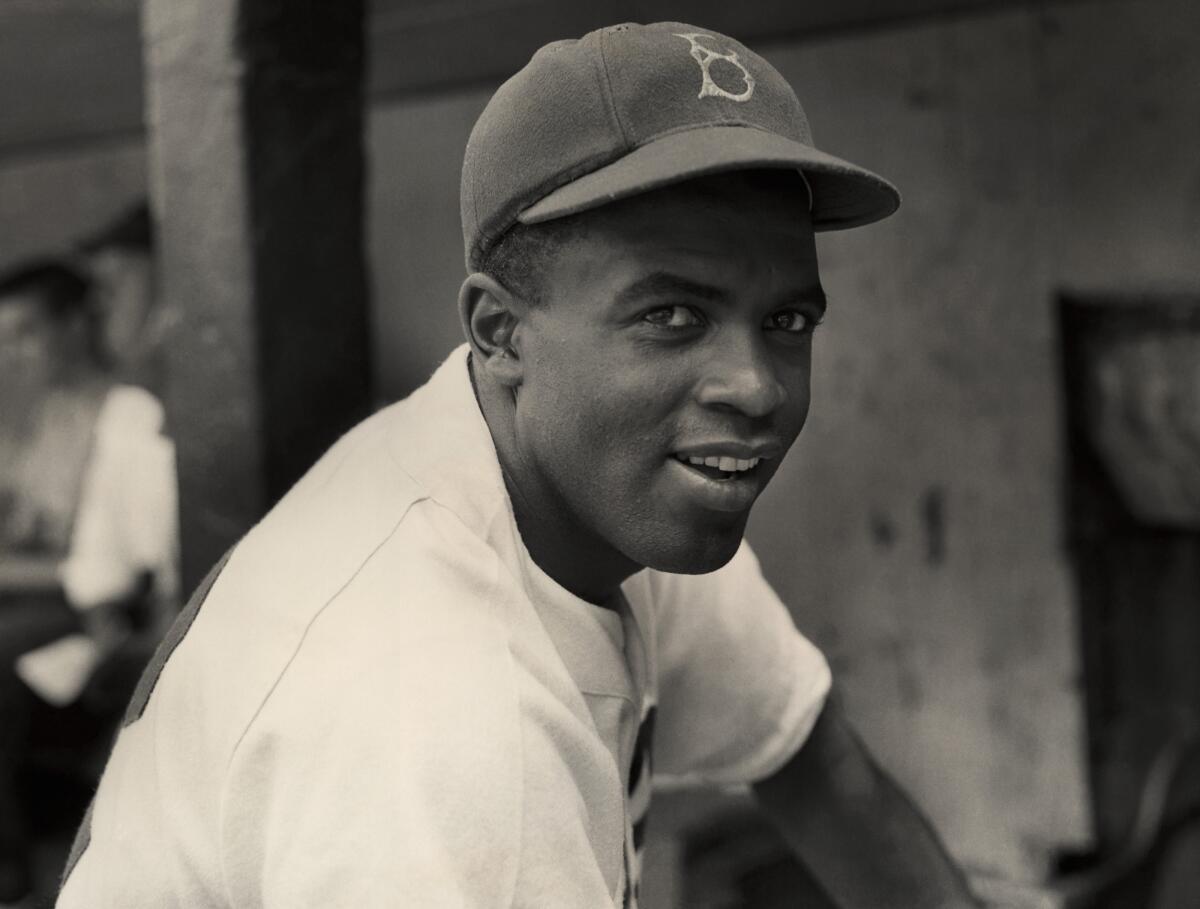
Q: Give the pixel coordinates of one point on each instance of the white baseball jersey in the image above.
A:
(380, 700)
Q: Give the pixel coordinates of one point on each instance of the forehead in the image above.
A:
(738, 230)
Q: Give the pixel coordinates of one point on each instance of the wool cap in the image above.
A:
(630, 108)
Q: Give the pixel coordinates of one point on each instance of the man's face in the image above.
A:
(124, 297)
(666, 370)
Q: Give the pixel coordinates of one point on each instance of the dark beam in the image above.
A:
(257, 178)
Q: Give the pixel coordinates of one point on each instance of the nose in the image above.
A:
(741, 377)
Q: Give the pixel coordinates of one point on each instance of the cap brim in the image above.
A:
(843, 194)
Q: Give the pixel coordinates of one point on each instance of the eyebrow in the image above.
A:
(665, 284)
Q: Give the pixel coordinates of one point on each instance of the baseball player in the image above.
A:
(445, 670)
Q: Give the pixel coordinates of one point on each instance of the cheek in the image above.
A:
(582, 384)
(600, 437)
(801, 404)
(796, 377)
(596, 422)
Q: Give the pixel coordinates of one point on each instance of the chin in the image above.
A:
(694, 551)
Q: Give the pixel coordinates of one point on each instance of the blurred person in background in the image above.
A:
(119, 259)
(87, 528)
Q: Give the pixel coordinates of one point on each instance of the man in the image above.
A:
(442, 671)
(87, 527)
(119, 260)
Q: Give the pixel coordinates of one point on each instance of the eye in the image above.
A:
(792, 321)
(673, 317)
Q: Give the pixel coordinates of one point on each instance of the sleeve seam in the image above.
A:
(279, 676)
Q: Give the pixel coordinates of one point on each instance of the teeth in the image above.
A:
(728, 465)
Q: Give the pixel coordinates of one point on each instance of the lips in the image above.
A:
(721, 470)
(723, 460)
(725, 476)
(725, 464)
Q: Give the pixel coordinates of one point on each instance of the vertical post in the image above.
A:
(255, 115)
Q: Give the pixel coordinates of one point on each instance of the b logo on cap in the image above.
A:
(705, 56)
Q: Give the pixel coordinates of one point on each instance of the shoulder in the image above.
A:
(359, 528)
(429, 584)
(392, 737)
(360, 569)
(404, 674)
(415, 632)
(311, 633)
(357, 582)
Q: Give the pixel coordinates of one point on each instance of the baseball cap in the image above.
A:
(630, 108)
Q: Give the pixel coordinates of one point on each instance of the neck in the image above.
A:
(570, 553)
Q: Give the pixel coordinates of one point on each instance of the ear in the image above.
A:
(490, 317)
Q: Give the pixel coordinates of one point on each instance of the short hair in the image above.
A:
(62, 292)
(59, 288)
(523, 254)
(130, 231)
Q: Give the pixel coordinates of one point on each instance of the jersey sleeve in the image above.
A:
(739, 687)
(379, 776)
(126, 524)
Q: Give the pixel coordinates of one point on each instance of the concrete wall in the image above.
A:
(917, 530)
(919, 527)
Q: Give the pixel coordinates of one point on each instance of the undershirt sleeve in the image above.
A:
(126, 524)
(739, 687)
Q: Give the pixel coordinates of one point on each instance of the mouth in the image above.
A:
(724, 476)
(720, 468)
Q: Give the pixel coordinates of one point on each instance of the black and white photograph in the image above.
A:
(529, 454)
